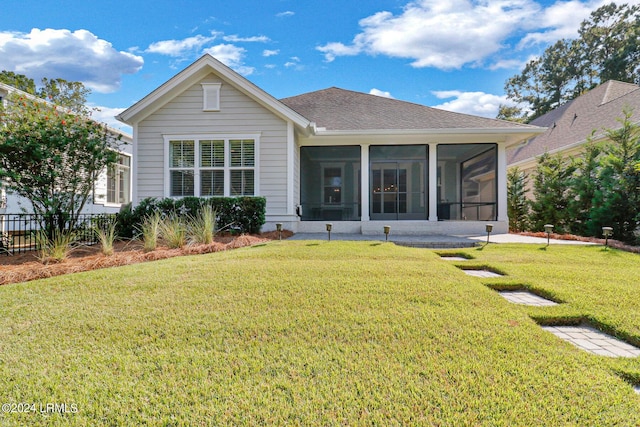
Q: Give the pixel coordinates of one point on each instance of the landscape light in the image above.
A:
(279, 230)
(548, 228)
(387, 229)
(607, 232)
(488, 228)
(329, 225)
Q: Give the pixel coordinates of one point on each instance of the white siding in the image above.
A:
(238, 114)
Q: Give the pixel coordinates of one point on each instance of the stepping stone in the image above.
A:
(453, 258)
(482, 273)
(526, 298)
(594, 341)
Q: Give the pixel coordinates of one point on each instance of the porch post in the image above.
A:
(364, 181)
(502, 183)
(433, 182)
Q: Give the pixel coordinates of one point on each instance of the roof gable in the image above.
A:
(571, 124)
(191, 75)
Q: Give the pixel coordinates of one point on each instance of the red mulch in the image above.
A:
(26, 266)
(616, 244)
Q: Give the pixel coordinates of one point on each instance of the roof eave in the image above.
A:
(511, 135)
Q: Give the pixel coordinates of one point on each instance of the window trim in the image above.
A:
(227, 161)
(117, 168)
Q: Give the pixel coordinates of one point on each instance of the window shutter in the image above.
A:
(211, 96)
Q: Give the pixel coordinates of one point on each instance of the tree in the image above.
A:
(550, 189)
(70, 95)
(609, 42)
(517, 202)
(52, 157)
(18, 81)
(617, 201)
(583, 188)
(608, 47)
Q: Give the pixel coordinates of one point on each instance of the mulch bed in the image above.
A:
(616, 244)
(26, 266)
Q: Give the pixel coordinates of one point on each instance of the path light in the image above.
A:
(329, 225)
(489, 229)
(279, 230)
(607, 232)
(387, 229)
(548, 228)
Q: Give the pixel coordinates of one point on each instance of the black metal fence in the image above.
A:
(23, 232)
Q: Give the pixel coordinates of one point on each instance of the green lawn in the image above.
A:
(322, 333)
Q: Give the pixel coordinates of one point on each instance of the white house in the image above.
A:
(358, 161)
(111, 191)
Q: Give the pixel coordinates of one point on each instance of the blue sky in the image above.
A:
(453, 54)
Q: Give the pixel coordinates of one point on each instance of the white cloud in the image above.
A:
(232, 56)
(452, 34)
(285, 14)
(379, 92)
(439, 34)
(476, 103)
(74, 56)
(108, 115)
(177, 48)
(294, 63)
(235, 38)
(560, 20)
(267, 53)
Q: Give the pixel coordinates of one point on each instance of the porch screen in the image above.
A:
(330, 183)
(467, 185)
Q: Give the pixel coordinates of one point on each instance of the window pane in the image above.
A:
(111, 185)
(242, 183)
(212, 154)
(123, 182)
(181, 154)
(242, 152)
(212, 183)
(124, 160)
(181, 183)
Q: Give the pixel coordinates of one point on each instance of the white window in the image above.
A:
(118, 181)
(211, 96)
(207, 166)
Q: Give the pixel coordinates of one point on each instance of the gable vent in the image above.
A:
(211, 96)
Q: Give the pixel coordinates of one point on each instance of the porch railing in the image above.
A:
(20, 232)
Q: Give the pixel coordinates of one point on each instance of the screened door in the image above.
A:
(398, 190)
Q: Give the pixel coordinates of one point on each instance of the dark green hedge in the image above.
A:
(235, 214)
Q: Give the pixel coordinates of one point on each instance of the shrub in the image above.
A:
(150, 230)
(55, 248)
(202, 227)
(173, 231)
(237, 214)
(106, 235)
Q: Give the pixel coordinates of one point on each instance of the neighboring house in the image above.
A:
(358, 161)
(570, 126)
(111, 191)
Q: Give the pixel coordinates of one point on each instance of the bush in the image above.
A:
(236, 214)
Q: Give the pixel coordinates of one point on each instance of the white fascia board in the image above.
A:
(508, 136)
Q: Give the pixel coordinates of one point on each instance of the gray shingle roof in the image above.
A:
(344, 110)
(573, 122)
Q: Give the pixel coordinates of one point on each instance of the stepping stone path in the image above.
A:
(482, 273)
(526, 298)
(594, 341)
(453, 258)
